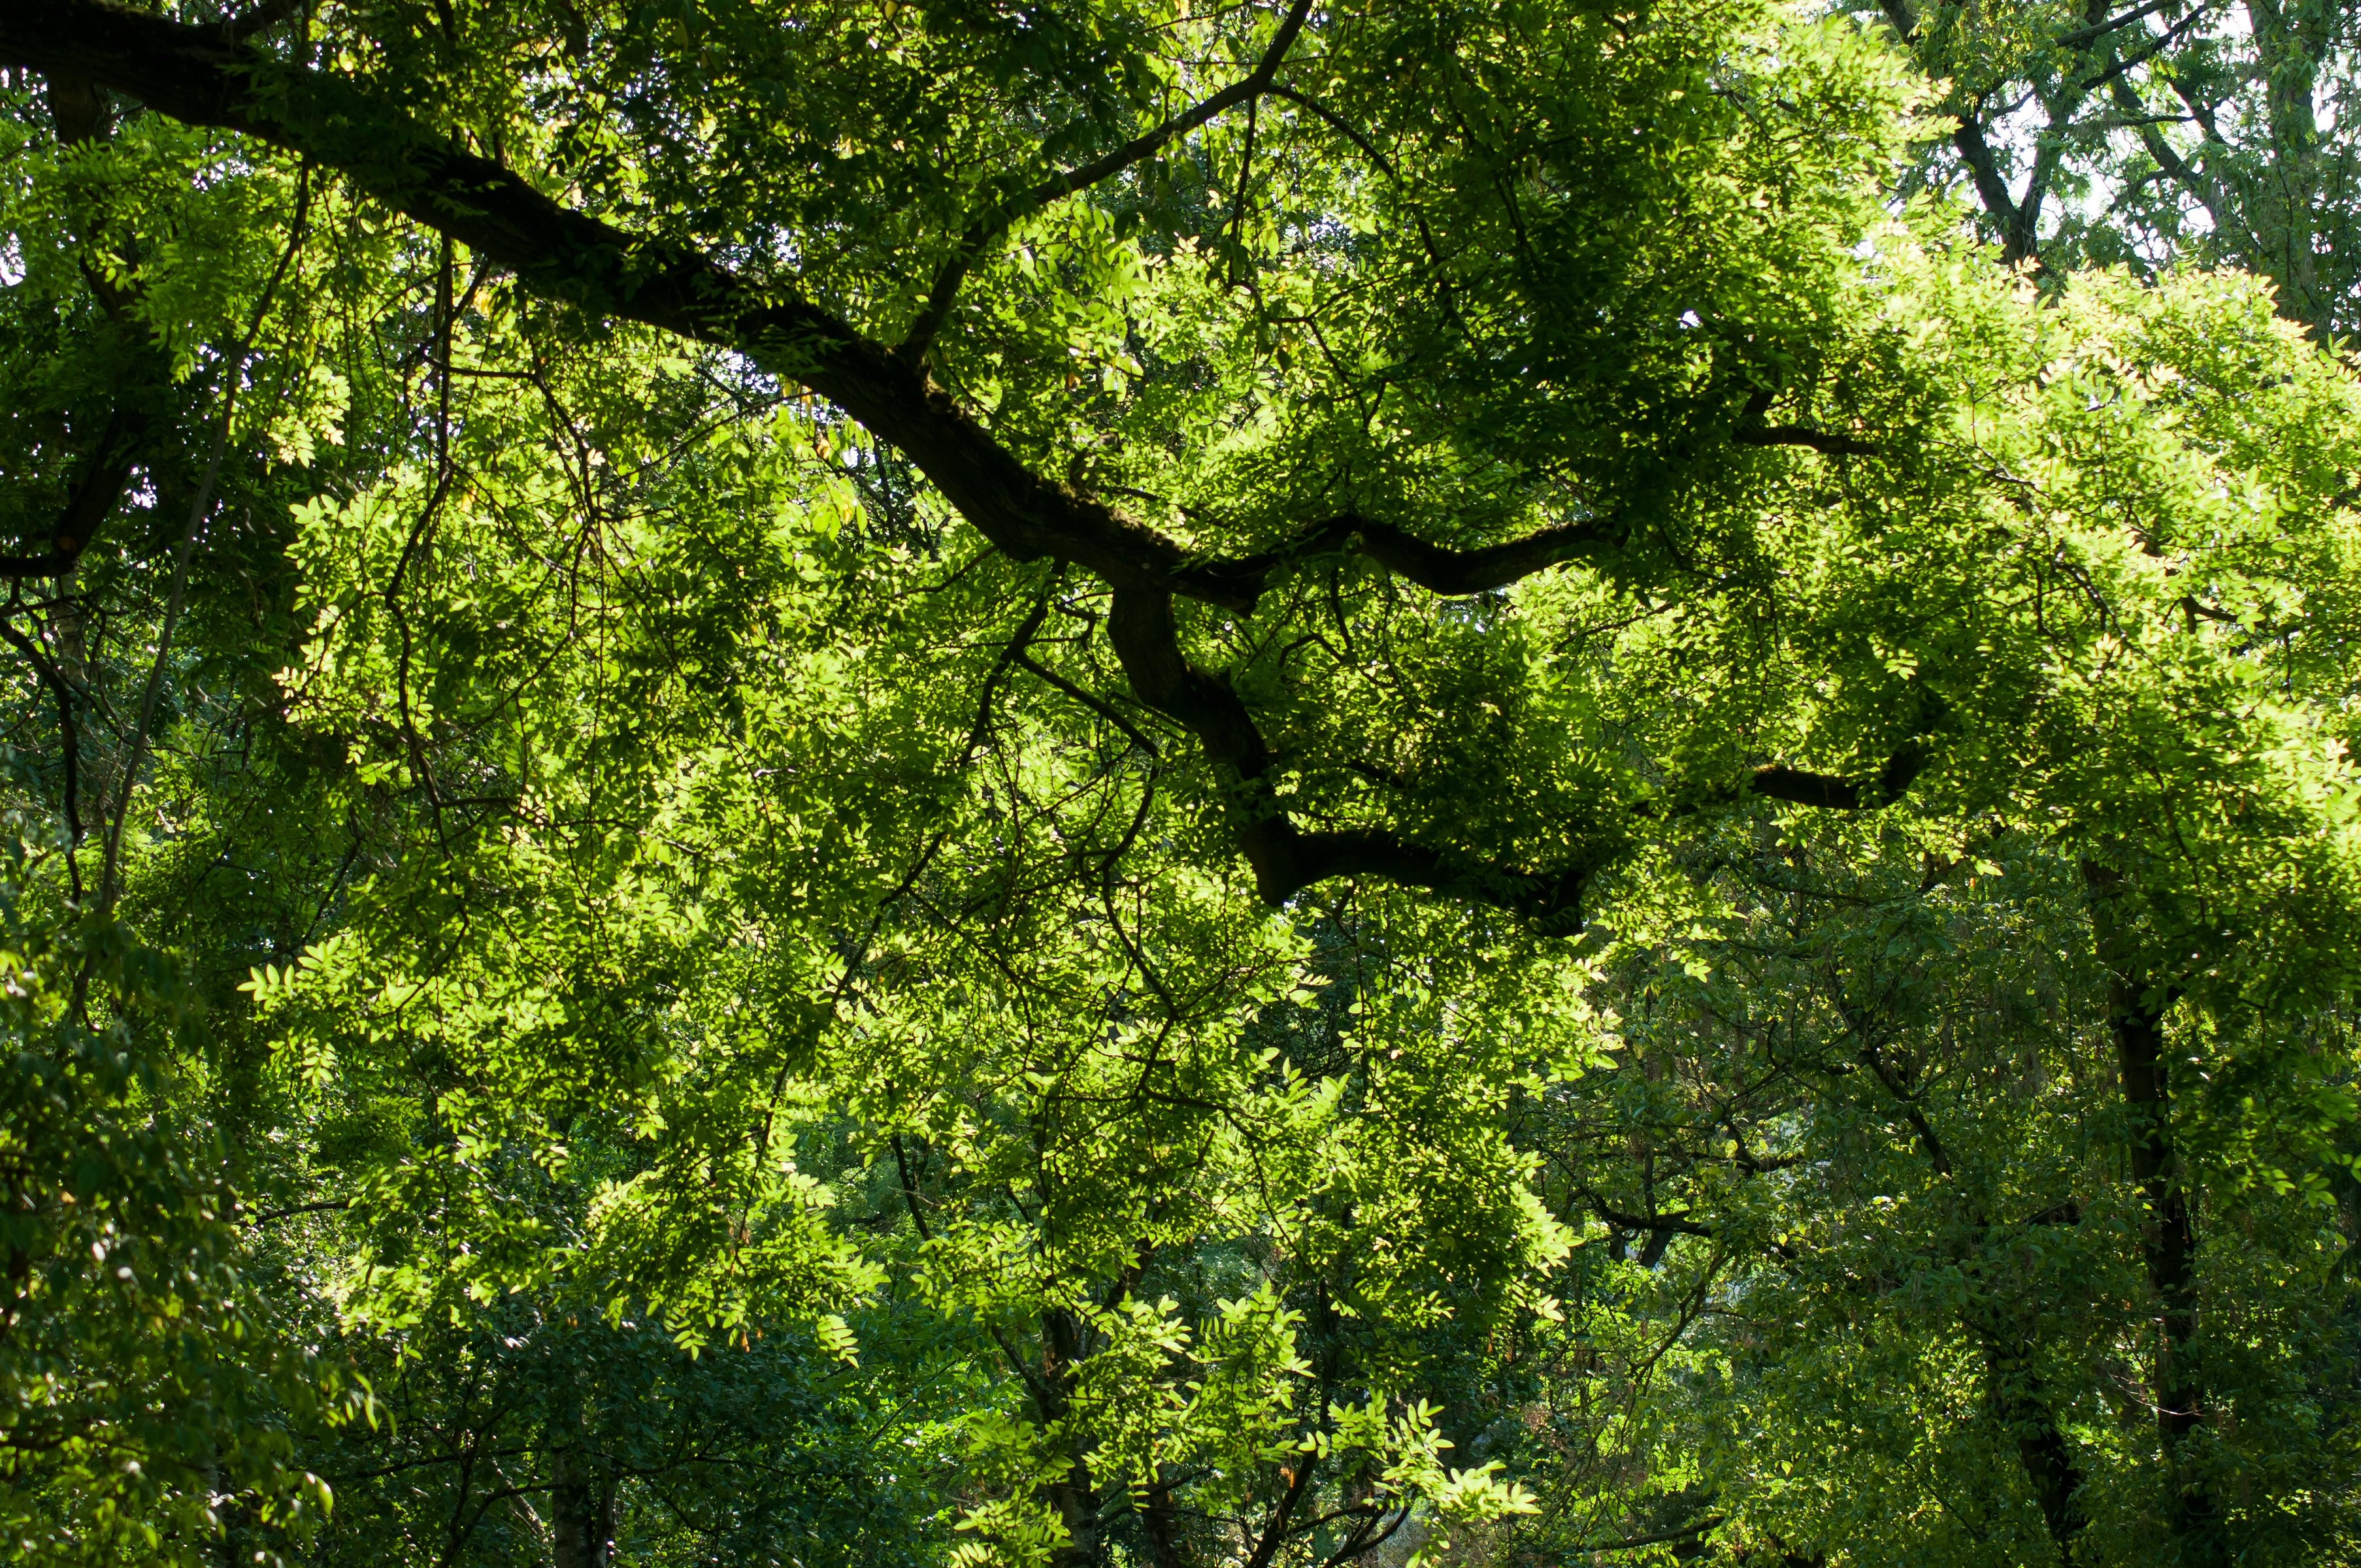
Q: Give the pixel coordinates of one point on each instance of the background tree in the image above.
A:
(2151, 135)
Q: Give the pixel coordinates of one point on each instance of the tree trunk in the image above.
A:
(1075, 1497)
(581, 1507)
(1161, 1523)
(2018, 1402)
(2291, 40)
(2135, 1011)
(2167, 1247)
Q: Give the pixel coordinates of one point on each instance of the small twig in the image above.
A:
(1095, 704)
(423, 773)
(322, 1207)
(910, 1191)
(944, 292)
(261, 19)
(1632, 1543)
(1818, 441)
(111, 866)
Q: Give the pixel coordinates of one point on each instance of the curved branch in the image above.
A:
(1679, 1224)
(1435, 567)
(1800, 788)
(191, 75)
(325, 1205)
(1632, 1543)
(68, 738)
(106, 474)
(1360, 1543)
(1338, 124)
(261, 19)
(1130, 730)
(1286, 858)
(1831, 793)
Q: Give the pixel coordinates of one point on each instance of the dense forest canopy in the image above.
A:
(1136, 785)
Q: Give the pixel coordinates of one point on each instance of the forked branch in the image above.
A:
(194, 75)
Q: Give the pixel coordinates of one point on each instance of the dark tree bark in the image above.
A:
(2022, 1406)
(2137, 1006)
(1076, 1496)
(1160, 1523)
(581, 1509)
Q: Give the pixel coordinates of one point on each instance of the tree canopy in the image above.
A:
(1103, 783)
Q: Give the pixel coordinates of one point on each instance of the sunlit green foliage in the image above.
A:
(1471, 812)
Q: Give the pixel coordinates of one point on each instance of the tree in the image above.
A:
(2166, 134)
(1044, 667)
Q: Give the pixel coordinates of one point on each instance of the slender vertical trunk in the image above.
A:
(2167, 1247)
(581, 1505)
(2292, 40)
(2020, 1404)
(2135, 1011)
(1077, 1502)
(1075, 1497)
(1161, 1523)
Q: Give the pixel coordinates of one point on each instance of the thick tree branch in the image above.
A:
(2019, 217)
(1800, 788)
(2190, 178)
(69, 737)
(2097, 31)
(105, 474)
(326, 1205)
(1360, 1543)
(1274, 1534)
(80, 113)
(1833, 794)
(2156, 44)
(1984, 167)
(190, 74)
(1672, 1224)
(1158, 1519)
(2135, 1018)
(2022, 1406)
(1131, 152)
(194, 75)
